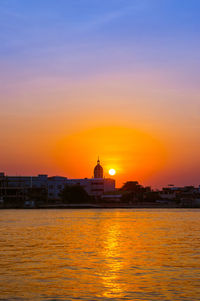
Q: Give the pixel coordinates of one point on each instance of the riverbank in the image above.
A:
(104, 206)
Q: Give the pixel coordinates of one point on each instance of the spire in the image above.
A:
(98, 161)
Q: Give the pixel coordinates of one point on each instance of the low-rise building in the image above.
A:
(96, 186)
(54, 186)
(20, 187)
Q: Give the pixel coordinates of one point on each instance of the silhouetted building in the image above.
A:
(24, 187)
(95, 186)
(55, 185)
(15, 190)
(98, 171)
(24, 181)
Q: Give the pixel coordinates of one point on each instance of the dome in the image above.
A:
(98, 171)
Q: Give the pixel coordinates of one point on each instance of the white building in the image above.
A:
(55, 186)
(95, 186)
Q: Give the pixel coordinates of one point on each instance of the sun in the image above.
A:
(112, 172)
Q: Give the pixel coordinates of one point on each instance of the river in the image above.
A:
(100, 254)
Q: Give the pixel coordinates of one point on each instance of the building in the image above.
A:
(55, 185)
(21, 188)
(24, 181)
(16, 190)
(95, 186)
(98, 171)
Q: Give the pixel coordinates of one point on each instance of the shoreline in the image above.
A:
(78, 206)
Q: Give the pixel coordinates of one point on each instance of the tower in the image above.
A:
(98, 171)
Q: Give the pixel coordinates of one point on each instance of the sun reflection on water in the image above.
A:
(113, 262)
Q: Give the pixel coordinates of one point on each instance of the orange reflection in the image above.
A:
(110, 279)
(100, 255)
(133, 153)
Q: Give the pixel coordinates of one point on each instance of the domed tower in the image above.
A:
(98, 171)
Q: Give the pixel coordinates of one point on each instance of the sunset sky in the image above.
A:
(119, 79)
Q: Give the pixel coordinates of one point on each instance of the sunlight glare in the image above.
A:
(112, 172)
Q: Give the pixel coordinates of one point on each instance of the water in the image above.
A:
(111, 254)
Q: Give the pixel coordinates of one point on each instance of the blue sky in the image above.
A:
(32, 29)
(81, 39)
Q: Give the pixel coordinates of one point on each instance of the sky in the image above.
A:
(119, 79)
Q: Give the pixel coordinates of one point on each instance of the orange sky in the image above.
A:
(61, 130)
(132, 153)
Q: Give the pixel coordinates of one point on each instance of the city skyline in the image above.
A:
(117, 79)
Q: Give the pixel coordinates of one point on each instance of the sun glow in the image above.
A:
(133, 153)
(112, 172)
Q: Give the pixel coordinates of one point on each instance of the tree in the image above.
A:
(133, 192)
(37, 194)
(131, 186)
(74, 194)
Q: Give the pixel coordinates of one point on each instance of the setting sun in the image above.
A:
(131, 152)
(112, 172)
